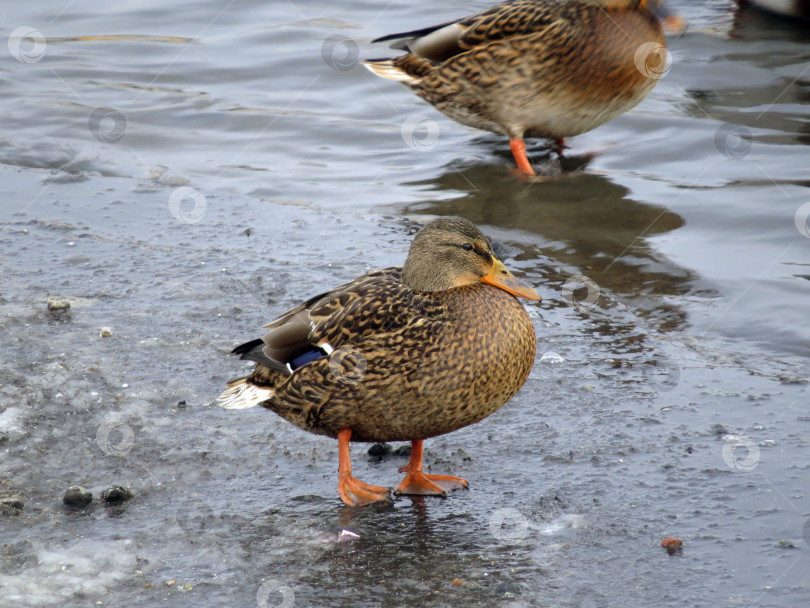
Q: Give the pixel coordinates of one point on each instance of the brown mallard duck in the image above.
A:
(400, 354)
(535, 68)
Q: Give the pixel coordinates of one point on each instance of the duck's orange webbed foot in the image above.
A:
(354, 492)
(418, 482)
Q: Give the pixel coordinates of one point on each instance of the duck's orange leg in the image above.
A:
(417, 482)
(354, 492)
(518, 148)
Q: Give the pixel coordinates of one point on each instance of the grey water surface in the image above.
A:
(181, 173)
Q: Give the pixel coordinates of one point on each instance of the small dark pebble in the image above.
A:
(247, 231)
(10, 506)
(181, 404)
(77, 496)
(115, 495)
(719, 429)
(378, 450)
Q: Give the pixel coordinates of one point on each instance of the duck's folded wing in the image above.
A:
(287, 339)
(505, 20)
(375, 303)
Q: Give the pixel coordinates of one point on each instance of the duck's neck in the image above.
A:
(421, 276)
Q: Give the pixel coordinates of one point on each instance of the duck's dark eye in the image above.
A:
(467, 247)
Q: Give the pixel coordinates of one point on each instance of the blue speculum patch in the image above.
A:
(307, 357)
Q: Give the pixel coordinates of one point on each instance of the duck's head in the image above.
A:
(451, 252)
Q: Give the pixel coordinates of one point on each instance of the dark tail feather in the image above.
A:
(245, 349)
(412, 34)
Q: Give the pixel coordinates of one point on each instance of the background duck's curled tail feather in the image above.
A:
(242, 394)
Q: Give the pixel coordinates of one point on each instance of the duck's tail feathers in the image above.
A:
(241, 394)
(386, 68)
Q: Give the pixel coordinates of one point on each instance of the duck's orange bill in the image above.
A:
(500, 277)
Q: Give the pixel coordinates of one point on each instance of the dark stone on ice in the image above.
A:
(78, 497)
(116, 495)
(403, 450)
(10, 505)
(379, 450)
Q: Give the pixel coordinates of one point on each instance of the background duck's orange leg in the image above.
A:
(417, 482)
(518, 148)
(354, 492)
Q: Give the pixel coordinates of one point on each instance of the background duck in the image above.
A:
(534, 68)
(400, 354)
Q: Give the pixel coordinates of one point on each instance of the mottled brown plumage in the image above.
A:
(400, 354)
(534, 68)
